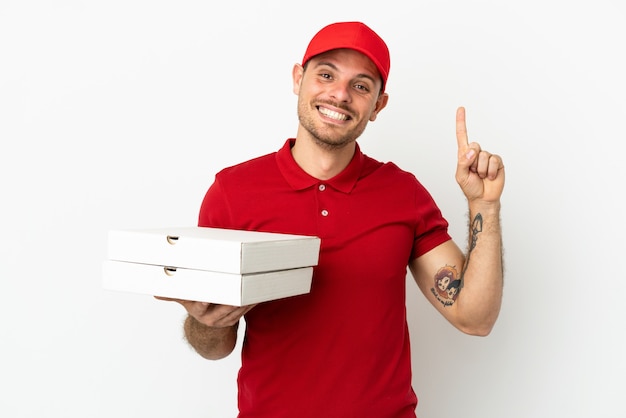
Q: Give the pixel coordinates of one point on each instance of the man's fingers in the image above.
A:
(461, 129)
(482, 164)
(487, 165)
(193, 308)
(211, 314)
(495, 167)
(223, 315)
(167, 299)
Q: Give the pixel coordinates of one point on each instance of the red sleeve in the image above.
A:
(432, 227)
(215, 211)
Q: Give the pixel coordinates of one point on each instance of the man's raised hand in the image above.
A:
(479, 173)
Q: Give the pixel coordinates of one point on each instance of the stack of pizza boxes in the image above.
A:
(224, 266)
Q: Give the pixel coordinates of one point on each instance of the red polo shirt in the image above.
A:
(342, 350)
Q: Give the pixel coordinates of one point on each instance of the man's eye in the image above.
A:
(325, 75)
(361, 87)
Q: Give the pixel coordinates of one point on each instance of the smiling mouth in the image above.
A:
(333, 114)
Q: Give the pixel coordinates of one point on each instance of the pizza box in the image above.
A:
(214, 249)
(206, 286)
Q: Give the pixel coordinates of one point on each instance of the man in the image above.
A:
(343, 350)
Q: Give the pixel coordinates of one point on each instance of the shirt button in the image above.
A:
(322, 187)
(324, 212)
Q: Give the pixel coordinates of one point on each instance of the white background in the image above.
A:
(118, 114)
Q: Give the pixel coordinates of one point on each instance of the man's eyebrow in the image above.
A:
(334, 67)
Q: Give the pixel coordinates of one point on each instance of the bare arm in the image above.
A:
(211, 329)
(467, 289)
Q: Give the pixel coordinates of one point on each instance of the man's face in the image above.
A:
(337, 95)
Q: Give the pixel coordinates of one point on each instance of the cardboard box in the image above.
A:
(213, 265)
(206, 286)
(214, 249)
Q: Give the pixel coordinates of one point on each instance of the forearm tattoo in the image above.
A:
(448, 282)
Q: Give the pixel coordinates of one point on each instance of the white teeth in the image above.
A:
(332, 114)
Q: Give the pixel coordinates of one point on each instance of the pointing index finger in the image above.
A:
(461, 129)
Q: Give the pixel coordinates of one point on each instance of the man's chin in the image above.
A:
(332, 143)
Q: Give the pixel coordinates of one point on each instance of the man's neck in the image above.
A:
(319, 161)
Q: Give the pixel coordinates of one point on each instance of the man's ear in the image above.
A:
(297, 73)
(381, 102)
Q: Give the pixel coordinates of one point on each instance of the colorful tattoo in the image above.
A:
(448, 283)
